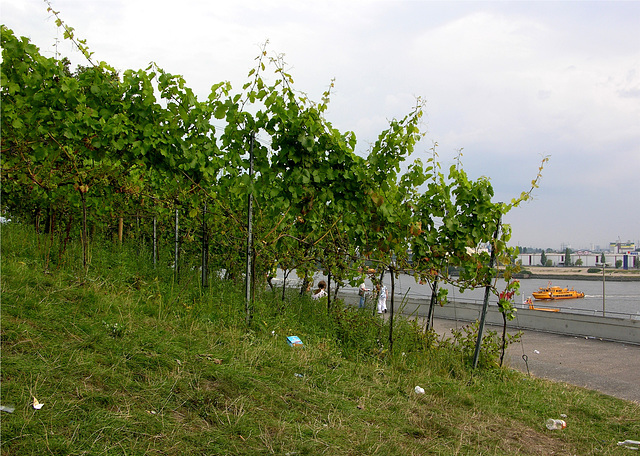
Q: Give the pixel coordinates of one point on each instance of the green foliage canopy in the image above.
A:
(104, 145)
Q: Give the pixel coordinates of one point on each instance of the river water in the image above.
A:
(621, 299)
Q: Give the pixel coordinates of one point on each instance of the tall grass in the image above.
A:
(128, 361)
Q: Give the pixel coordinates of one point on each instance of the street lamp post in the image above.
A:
(604, 265)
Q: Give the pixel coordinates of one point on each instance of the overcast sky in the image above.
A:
(506, 82)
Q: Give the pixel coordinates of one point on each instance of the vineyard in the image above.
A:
(258, 173)
(139, 211)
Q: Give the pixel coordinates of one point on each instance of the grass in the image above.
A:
(126, 361)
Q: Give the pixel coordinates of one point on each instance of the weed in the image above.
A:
(114, 330)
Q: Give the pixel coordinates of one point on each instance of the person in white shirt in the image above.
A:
(321, 292)
(382, 299)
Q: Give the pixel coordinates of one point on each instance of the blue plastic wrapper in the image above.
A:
(294, 341)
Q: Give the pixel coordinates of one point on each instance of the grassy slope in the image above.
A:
(182, 374)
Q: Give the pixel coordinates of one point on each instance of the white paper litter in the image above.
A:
(37, 405)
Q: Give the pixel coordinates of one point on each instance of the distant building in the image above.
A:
(628, 260)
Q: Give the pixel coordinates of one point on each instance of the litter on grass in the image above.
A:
(630, 444)
(294, 341)
(554, 425)
(37, 405)
(419, 390)
(7, 408)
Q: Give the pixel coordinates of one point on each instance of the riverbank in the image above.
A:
(579, 273)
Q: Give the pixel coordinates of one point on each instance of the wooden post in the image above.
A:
(434, 292)
(328, 289)
(492, 260)
(120, 229)
(85, 240)
(205, 247)
(393, 290)
(249, 237)
(177, 247)
(155, 241)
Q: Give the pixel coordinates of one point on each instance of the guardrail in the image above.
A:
(613, 328)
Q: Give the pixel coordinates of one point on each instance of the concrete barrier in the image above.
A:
(606, 328)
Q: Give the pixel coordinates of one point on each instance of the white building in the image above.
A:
(628, 260)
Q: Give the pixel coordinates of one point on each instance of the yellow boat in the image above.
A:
(545, 309)
(552, 292)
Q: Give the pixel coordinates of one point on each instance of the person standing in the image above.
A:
(362, 291)
(382, 299)
(321, 292)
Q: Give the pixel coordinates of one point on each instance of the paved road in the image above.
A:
(609, 367)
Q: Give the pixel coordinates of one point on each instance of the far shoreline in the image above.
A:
(578, 273)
